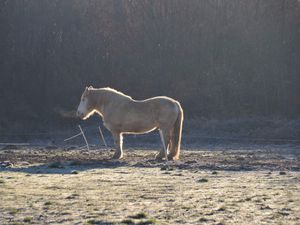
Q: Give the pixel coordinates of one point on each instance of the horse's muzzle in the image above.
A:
(79, 115)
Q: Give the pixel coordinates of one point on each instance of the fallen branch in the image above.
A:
(73, 136)
(102, 136)
(76, 135)
(87, 144)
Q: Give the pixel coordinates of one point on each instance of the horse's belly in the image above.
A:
(134, 126)
(138, 127)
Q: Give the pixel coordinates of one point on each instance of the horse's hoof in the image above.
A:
(173, 158)
(117, 156)
(159, 157)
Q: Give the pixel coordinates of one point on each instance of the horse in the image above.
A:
(121, 114)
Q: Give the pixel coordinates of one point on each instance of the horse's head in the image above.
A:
(85, 108)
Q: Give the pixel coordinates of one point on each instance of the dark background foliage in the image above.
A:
(220, 58)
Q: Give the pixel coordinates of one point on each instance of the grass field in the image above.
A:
(205, 187)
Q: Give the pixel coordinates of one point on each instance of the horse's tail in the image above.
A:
(177, 133)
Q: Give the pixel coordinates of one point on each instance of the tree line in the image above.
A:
(220, 58)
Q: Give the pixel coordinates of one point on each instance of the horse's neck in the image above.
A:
(98, 101)
(103, 99)
(114, 97)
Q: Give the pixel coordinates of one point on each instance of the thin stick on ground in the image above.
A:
(76, 135)
(87, 144)
(102, 136)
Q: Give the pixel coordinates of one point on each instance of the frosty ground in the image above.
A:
(71, 186)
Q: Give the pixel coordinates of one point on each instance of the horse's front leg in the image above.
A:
(118, 139)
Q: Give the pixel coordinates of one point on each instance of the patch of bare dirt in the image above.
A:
(213, 160)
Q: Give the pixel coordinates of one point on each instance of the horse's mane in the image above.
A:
(114, 91)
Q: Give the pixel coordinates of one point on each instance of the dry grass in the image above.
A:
(129, 194)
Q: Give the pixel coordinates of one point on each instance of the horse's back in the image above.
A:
(160, 100)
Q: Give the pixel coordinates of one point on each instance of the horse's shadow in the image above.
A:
(65, 167)
(74, 167)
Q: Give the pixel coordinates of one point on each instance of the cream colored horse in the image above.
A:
(123, 115)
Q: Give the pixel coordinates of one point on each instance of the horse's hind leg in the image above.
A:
(118, 139)
(165, 141)
(172, 147)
